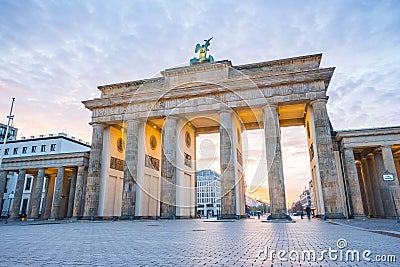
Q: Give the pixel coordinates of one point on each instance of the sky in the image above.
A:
(54, 54)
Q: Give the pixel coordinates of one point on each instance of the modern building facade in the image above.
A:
(305, 199)
(47, 176)
(208, 193)
(12, 132)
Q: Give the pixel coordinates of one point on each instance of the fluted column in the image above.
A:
(397, 164)
(362, 187)
(36, 195)
(353, 188)
(369, 193)
(227, 162)
(131, 169)
(80, 179)
(168, 171)
(390, 166)
(51, 179)
(19, 189)
(94, 172)
(58, 188)
(375, 185)
(71, 197)
(326, 160)
(273, 150)
(3, 179)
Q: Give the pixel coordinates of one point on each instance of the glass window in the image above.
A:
(24, 205)
(53, 147)
(43, 148)
(24, 149)
(15, 150)
(34, 149)
(6, 151)
(28, 183)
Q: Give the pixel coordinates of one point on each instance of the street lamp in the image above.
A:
(10, 198)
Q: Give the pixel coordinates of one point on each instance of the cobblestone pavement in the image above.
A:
(186, 243)
(373, 224)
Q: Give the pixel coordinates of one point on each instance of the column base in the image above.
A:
(280, 216)
(229, 216)
(360, 217)
(333, 216)
(168, 216)
(92, 218)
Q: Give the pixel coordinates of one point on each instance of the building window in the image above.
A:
(34, 149)
(15, 150)
(28, 183)
(24, 149)
(6, 151)
(53, 147)
(24, 206)
(43, 148)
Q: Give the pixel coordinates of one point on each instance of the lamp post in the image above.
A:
(10, 198)
(387, 176)
(10, 119)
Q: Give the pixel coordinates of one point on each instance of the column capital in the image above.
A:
(320, 100)
(270, 106)
(171, 117)
(370, 155)
(387, 147)
(97, 124)
(225, 110)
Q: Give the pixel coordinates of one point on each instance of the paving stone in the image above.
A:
(174, 243)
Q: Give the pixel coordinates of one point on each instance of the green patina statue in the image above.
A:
(202, 49)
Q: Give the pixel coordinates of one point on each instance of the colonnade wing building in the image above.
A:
(46, 175)
(143, 159)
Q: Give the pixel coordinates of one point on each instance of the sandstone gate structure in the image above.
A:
(142, 162)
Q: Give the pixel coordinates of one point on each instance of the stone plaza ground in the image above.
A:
(194, 243)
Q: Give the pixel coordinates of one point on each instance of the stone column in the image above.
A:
(71, 197)
(130, 169)
(375, 185)
(227, 162)
(273, 150)
(397, 163)
(80, 179)
(55, 209)
(386, 198)
(362, 187)
(19, 189)
(168, 171)
(3, 179)
(36, 195)
(94, 172)
(49, 196)
(390, 166)
(368, 188)
(355, 199)
(326, 160)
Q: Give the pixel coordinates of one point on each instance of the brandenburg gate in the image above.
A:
(143, 156)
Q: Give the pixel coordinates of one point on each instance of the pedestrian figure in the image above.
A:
(308, 211)
(301, 214)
